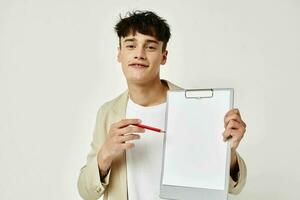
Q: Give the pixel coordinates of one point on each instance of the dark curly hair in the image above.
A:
(145, 22)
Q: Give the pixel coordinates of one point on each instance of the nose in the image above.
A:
(140, 53)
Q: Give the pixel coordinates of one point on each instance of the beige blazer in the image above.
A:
(114, 186)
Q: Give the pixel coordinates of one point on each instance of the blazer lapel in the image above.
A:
(118, 184)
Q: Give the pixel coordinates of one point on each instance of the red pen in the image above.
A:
(150, 128)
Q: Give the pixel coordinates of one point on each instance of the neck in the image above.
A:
(149, 94)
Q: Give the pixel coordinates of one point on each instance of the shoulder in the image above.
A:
(114, 104)
(171, 85)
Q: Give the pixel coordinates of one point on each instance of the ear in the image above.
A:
(119, 55)
(164, 58)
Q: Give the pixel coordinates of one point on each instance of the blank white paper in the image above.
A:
(195, 153)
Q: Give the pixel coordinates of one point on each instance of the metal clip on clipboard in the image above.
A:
(199, 93)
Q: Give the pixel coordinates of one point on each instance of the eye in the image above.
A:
(129, 46)
(150, 47)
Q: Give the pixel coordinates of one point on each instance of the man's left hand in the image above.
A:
(235, 128)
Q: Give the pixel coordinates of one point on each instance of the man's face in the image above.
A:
(141, 56)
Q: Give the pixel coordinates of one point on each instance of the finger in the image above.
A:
(233, 131)
(226, 135)
(128, 137)
(126, 146)
(232, 124)
(237, 135)
(130, 129)
(127, 122)
(234, 117)
(241, 132)
(233, 111)
(234, 134)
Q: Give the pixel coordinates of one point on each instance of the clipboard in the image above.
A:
(196, 160)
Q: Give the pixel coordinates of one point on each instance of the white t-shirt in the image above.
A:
(145, 159)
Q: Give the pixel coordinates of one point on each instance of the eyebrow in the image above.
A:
(130, 40)
(147, 41)
(151, 41)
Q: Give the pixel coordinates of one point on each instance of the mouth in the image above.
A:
(138, 65)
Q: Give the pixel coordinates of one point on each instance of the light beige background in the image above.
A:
(58, 65)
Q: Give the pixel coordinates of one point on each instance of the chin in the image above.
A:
(139, 80)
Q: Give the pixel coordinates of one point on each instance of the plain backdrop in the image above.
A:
(58, 66)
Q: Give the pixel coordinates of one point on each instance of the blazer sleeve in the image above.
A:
(90, 185)
(235, 187)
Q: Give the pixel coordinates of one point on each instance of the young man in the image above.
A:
(125, 160)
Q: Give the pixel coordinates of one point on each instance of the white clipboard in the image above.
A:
(196, 160)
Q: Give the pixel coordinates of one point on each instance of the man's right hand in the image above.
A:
(117, 142)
